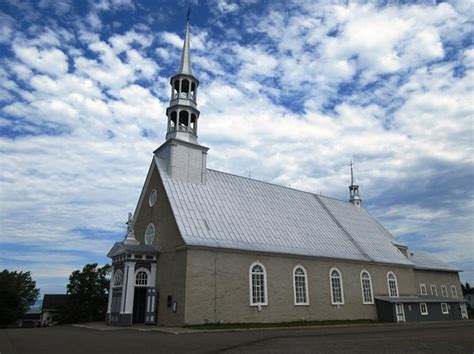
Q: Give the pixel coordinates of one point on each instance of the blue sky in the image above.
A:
(290, 92)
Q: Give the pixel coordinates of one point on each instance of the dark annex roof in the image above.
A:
(54, 301)
(417, 299)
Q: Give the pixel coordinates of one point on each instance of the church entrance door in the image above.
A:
(139, 305)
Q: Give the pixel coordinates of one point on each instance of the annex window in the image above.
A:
(300, 284)
(258, 285)
(366, 284)
(423, 308)
(392, 285)
(444, 291)
(141, 277)
(444, 308)
(434, 292)
(423, 289)
(118, 278)
(454, 291)
(337, 292)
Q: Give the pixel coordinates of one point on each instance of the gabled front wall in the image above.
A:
(171, 268)
(217, 288)
(438, 278)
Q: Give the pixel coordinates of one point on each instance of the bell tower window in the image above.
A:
(184, 88)
(183, 120)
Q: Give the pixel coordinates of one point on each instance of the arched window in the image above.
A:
(173, 119)
(366, 285)
(193, 91)
(258, 284)
(183, 118)
(392, 285)
(185, 87)
(193, 121)
(118, 278)
(300, 285)
(141, 277)
(176, 89)
(337, 292)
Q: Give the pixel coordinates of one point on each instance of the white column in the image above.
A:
(128, 291)
(109, 305)
(152, 282)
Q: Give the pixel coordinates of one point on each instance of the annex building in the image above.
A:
(205, 246)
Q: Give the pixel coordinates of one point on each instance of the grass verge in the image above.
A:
(217, 326)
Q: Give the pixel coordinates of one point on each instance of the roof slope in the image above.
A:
(423, 260)
(235, 212)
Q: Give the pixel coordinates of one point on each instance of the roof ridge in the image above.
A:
(277, 185)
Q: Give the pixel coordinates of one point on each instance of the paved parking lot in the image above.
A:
(447, 337)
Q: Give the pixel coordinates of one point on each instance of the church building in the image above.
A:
(205, 246)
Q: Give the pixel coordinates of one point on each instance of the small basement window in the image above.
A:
(423, 309)
(444, 308)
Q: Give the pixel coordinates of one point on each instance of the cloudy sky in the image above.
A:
(290, 93)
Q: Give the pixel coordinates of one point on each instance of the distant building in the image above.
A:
(31, 318)
(205, 246)
(50, 309)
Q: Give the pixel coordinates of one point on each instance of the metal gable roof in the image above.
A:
(235, 212)
(423, 260)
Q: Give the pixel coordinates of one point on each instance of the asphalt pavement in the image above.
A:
(445, 337)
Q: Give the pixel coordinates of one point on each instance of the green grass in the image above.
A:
(211, 326)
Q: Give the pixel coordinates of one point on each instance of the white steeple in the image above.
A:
(182, 112)
(354, 189)
(184, 157)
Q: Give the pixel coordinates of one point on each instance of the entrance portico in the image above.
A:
(132, 293)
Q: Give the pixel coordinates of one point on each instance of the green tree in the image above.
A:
(18, 292)
(89, 290)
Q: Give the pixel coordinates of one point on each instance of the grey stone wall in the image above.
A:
(171, 265)
(437, 278)
(217, 288)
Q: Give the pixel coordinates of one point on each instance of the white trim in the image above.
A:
(148, 276)
(331, 289)
(464, 314)
(306, 303)
(454, 291)
(423, 286)
(145, 187)
(444, 291)
(396, 284)
(402, 313)
(265, 303)
(435, 292)
(443, 307)
(362, 288)
(423, 304)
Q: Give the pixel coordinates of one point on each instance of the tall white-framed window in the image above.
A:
(258, 284)
(454, 291)
(423, 309)
(337, 290)
(423, 289)
(444, 308)
(434, 291)
(463, 308)
(392, 285)
(444, 291)
(300, 285)
(118, 278)
(141, 277)
(366, 286)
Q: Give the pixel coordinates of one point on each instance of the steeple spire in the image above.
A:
(354, 189)
(185, 66)
(182, 112)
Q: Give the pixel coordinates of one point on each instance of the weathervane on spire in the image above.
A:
(188, 13)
